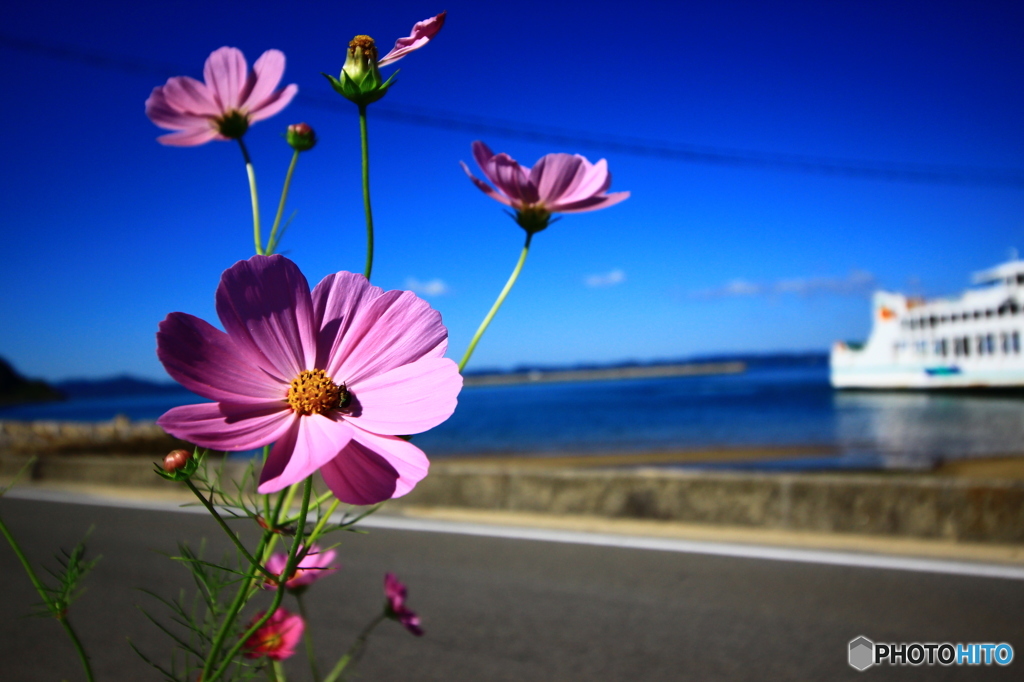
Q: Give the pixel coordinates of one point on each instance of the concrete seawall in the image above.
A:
(909, 506)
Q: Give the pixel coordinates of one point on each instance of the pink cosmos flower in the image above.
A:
(422, 33)
(223, 107)
(312, 567)
(277, 638)
(331, 378)
(557, 183)
(396, 609)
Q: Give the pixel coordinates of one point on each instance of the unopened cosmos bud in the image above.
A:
(301, 137)
(175, 460)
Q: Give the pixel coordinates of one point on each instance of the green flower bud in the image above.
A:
(300, 137)
(360, 80)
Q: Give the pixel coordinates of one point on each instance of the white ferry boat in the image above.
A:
(970, 341)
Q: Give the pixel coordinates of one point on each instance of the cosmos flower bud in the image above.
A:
(301, 137)
(176, 459)
(360, 80)
(180, 465)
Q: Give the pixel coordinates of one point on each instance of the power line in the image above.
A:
(632, 146)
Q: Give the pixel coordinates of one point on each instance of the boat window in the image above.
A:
(932, 321)
(977, 314)
(1004, 343)
(1020, 278)
(944, 319)
(1015, 342)
(1014, 308)
(989, 312)
(990, 344)
(967, 346)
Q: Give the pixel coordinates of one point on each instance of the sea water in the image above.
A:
(775, 407)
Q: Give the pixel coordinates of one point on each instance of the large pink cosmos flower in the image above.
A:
(277, 638)
(314, 565)
(223, 107)
(331, 378)
(421, 34)
(395, 608)
(557, 183)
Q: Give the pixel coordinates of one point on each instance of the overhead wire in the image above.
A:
(633, 146)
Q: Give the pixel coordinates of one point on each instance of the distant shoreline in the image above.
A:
(537, 376)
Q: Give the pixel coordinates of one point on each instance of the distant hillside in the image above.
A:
(15, 389)
(118, 386)
(751, 360)
(126, 385)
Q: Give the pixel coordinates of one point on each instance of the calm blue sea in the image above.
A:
(777, 407)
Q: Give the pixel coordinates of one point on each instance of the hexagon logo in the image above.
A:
(862, 653)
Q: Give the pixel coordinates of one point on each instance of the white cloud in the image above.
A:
(608, 279)
(434, 287)
(857, 283)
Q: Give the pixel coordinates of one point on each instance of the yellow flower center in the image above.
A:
(313, 392)
(364, 46)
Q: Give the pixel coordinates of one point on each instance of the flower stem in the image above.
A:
(231, 533)
(271, 241)
(323, 521)
(354, 651)
(293, 559)
(365, 139)
(309, 640)
(41, 589)
(229, 619)
(251, 172)
(78, 646)
(497, 304)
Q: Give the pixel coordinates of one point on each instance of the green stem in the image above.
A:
(309, 640)
(231, 533)
(271, 241)
(78, 647)
(278, 668)
(365, 139)
(354, 650)
(236, 606)
(41, 589)
(284, 503)
(497, 304)
(251, 172)
(278, 593)
(323, 521)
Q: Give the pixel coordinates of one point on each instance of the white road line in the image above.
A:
(737, 550)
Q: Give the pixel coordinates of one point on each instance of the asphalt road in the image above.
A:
(501, 609)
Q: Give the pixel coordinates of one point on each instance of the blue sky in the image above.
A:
(107, 231)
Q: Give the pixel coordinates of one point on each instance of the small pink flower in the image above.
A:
(331, 378)
(422, 33)
(557, 183)
(277, 638)
(396, 609)
(312, 567)
(223, 107)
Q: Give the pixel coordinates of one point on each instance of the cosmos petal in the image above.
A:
(408, 399)
(312, 441)
(227, 427)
